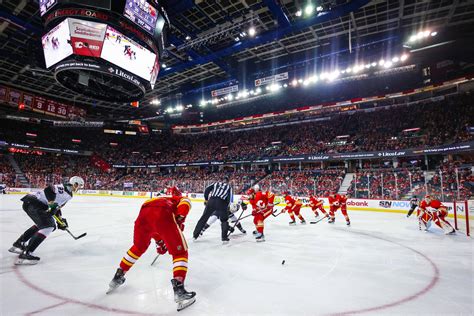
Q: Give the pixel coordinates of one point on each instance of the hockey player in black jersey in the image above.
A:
(413, 205)
(41, 207)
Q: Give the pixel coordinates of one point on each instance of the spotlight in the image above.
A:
(313, 79)
(188, 37)
(164, 66)
(319, 8)
(388, 64)
(252, 31)
(349, 70)
(300, 80)
(426, 33)
(367, 66)
(434, 33)
(237, 39)
(381, 62)
(230, 97)
(412, 38)
(298, 13)
(203, 102)
(294, 82)
(306, 82)
(258, 91)
(179, 108)
(373, 64)
(170, 110)
(309, 9)
(323, 76)
(404, 57)
(395, 59)
(285, 85)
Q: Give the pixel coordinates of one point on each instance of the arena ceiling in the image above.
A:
(194, 63)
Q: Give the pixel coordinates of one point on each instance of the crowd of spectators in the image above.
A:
(393, 128)
(453, 180)
(7, 174)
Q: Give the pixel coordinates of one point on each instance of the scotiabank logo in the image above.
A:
(352, 203)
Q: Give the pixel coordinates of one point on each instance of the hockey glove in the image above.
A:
(53, 208)
(180, 222)
(62, 224)
(244, 206)
(161, 247)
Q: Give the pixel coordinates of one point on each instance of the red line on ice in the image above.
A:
(32, 286)
(46, 308)
(426, 289)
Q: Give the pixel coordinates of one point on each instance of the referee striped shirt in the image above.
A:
(219, 190)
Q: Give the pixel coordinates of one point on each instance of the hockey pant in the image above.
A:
(295, 210)
(333, 209)
(158, 224)
(259, 218)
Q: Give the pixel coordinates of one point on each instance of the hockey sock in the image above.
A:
(27, 234)
(35, 241)
(300, 217)
(239, 226)
(292, 217)
(260, 227)
(316, 213)
(180, 266)
(130, 258)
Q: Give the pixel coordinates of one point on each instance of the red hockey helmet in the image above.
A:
(173, 191)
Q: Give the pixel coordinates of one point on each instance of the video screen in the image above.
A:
(154, 73)
(56, 44)
(125, 53)
(142, 13)
(45, 5)
(87, 37)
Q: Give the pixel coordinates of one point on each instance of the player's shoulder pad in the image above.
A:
(184, 200)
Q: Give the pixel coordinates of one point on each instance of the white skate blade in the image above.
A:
(185, 304)
(112, 287)
(25, 262)
(15, 250)
(260, 240)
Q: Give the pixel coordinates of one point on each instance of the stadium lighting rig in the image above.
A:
(420, 36)
(353, 71)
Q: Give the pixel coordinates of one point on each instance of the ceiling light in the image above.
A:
(434, 33)
(179, 108)
(381, 62)
(388, 64)
(252, 31)
(294, 82)
(203, 102)
(395, 59)
(230, 97)
(164, 66)
(169, 110)
(188, 37)
(237, 39)
(298, 13)
(258, 91)
(404, 57)
(319, 8)
(309, 9)
(373, 64)
(300, 80)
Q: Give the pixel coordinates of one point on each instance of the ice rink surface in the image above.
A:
(382, 265)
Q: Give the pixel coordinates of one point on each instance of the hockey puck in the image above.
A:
(283, 262)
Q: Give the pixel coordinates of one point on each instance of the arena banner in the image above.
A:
(87, 38)
(224, 91)
(271, 79)
(452, 148)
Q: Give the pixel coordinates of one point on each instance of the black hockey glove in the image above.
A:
(62, 224)
(244, 206)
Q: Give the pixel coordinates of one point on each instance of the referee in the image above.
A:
(217, 198)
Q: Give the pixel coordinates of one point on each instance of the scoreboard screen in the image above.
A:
(45, 5)
(142, 13)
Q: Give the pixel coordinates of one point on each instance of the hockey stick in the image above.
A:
(154, 260)
(72, 235)
(236, 222)
(278, 214)
(315, 222)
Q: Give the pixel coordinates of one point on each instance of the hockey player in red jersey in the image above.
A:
(262, 207)
(161, 219)
(337, 201)
(316, 205)
(293, 207)
(433, 210)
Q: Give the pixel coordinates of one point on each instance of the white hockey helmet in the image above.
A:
(256, 188)
(77, 180)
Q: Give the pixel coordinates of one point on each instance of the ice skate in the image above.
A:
(26, 258)
(452, 232)
(225, 241)
(243, 231)
(331, 220)
(259, 237)
(255, 232)
(119, 279)
(348, 223)
(17, 247)
(303, 222)
(292, 223)
(181, 296)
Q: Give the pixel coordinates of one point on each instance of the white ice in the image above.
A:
(382, 265)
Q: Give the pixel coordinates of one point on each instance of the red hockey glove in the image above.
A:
(180, 222)
(161, 247)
